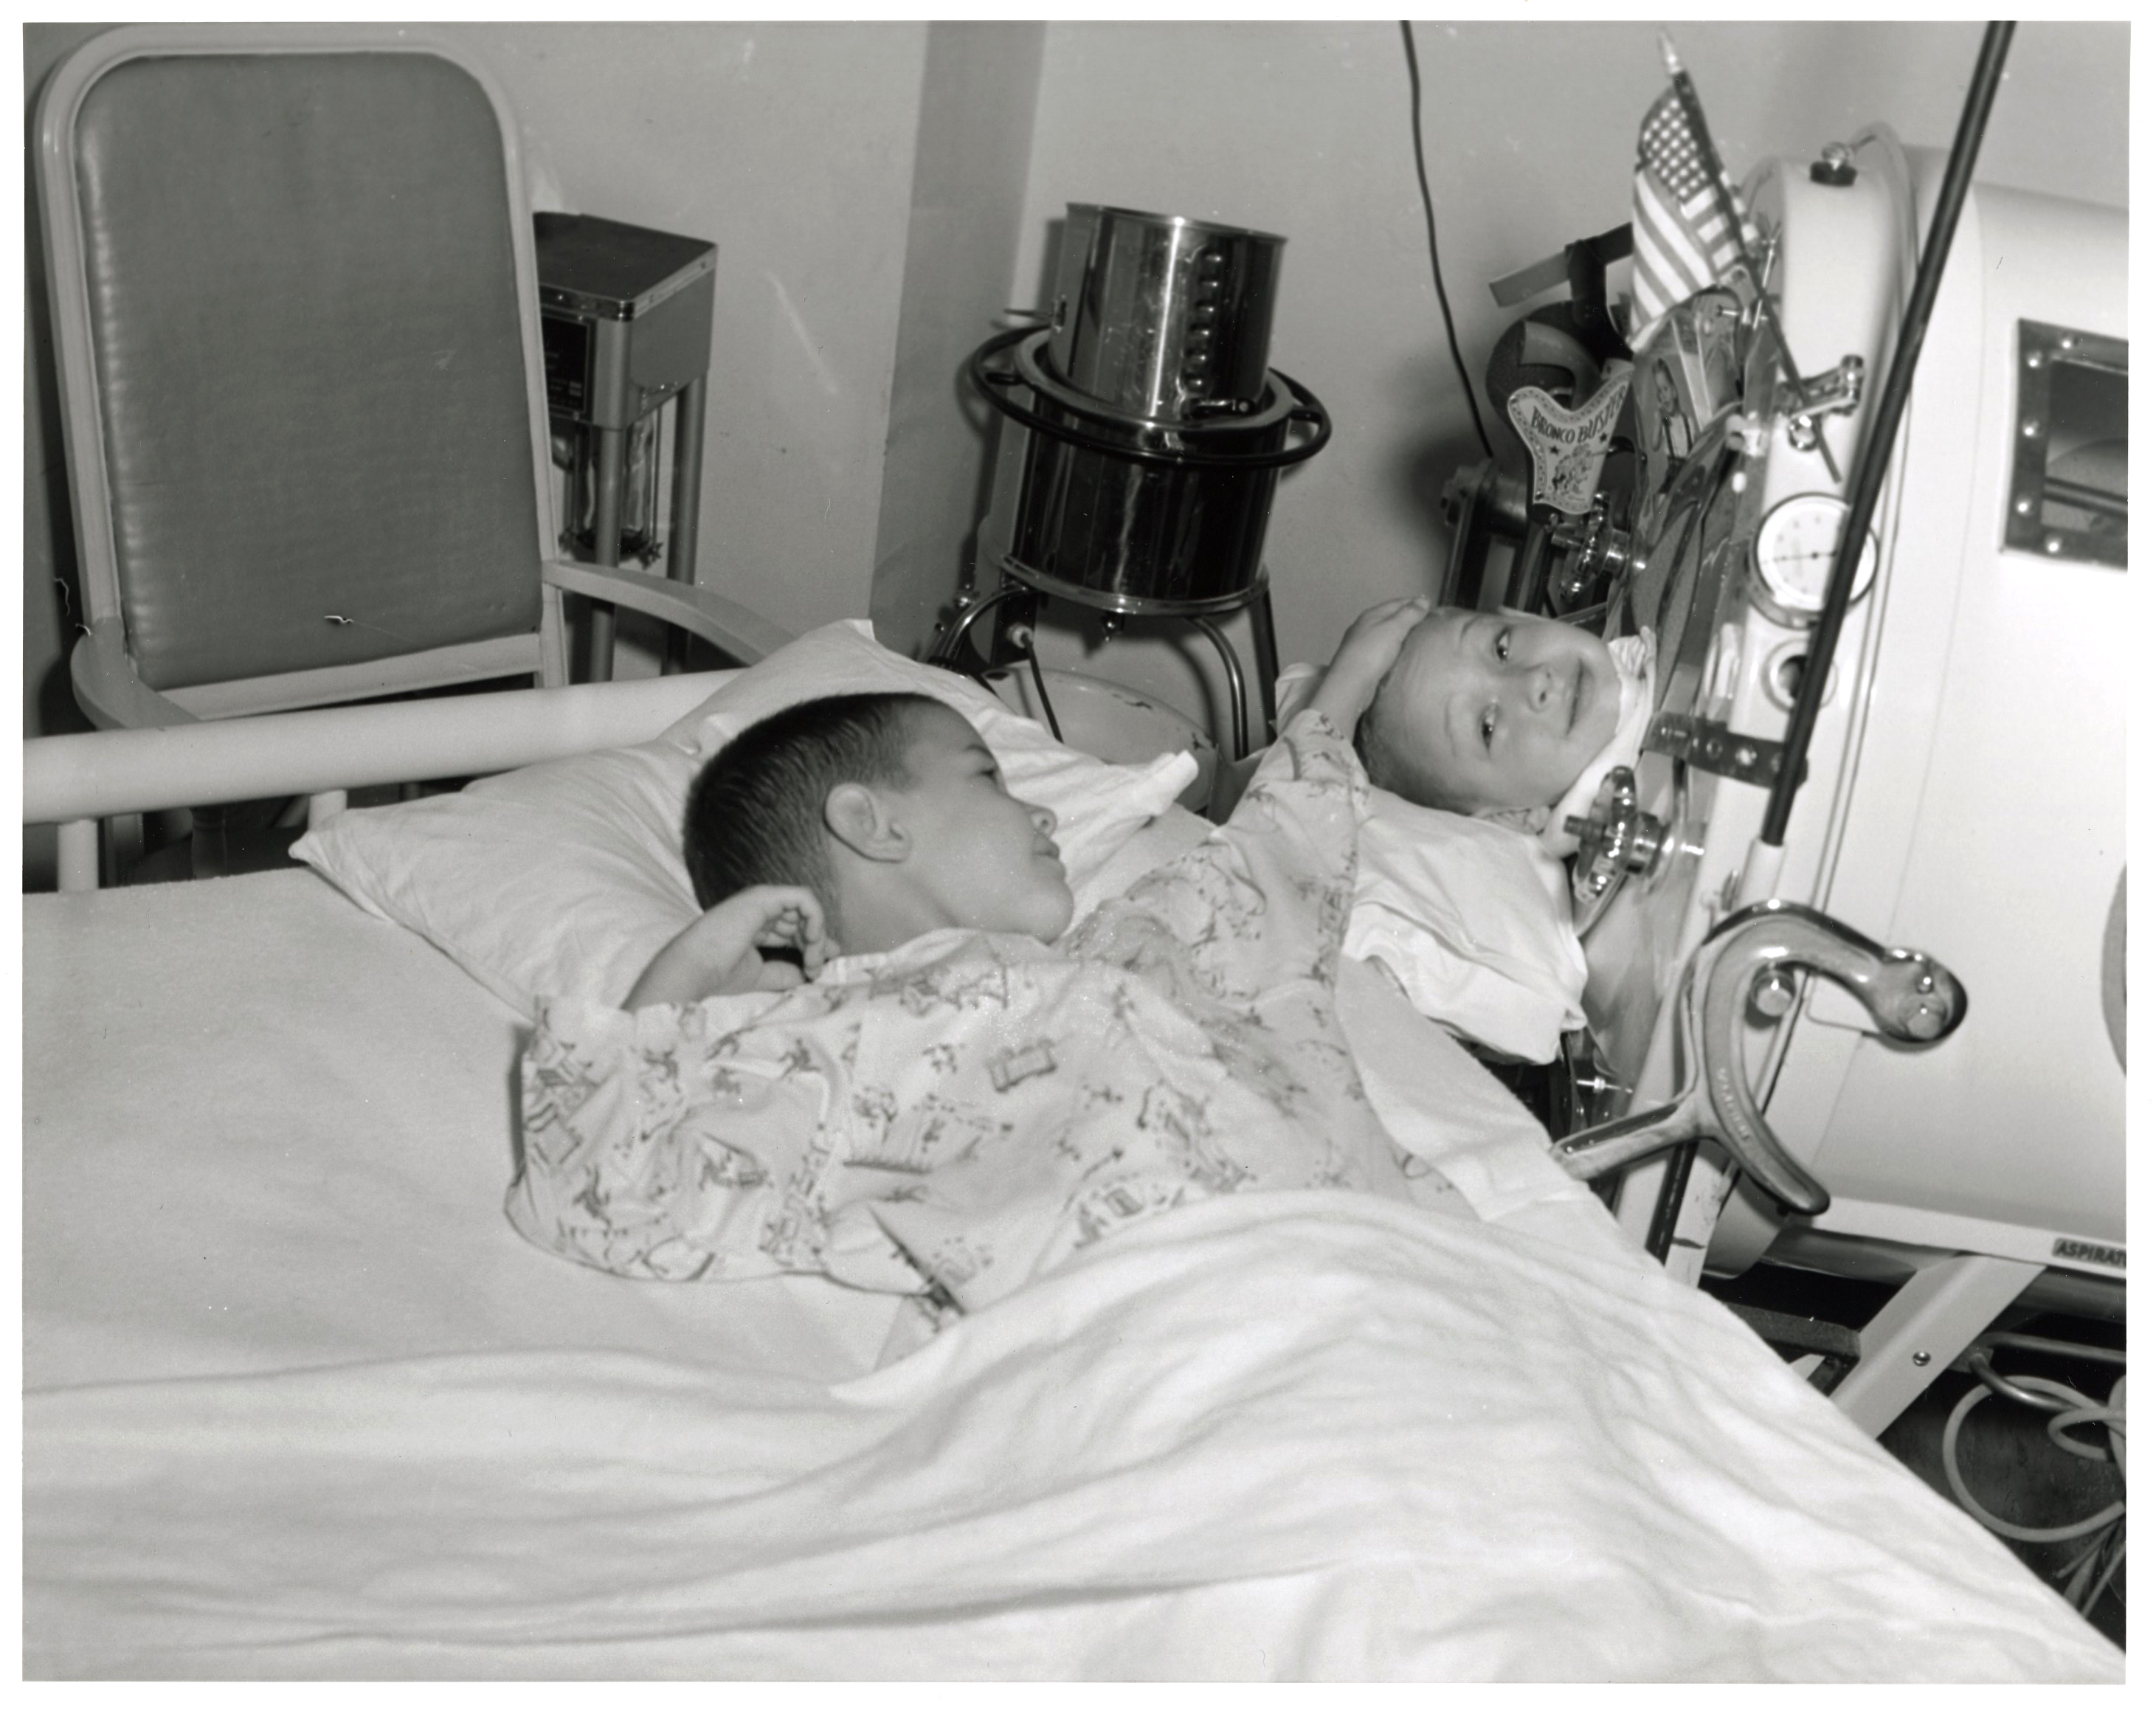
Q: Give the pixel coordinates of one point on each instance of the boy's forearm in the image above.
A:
(1365, 655)
(668, 980)
(1342, 697)
(683, 972)
(718, 953)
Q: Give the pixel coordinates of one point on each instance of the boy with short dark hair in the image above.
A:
(859, 821)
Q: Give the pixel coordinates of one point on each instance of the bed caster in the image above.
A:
(1746, 962)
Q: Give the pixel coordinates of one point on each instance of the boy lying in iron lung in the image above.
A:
(1501, 714)
(956, 1089)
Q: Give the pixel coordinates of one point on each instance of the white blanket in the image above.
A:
(1307, 1434)
(299, 1402)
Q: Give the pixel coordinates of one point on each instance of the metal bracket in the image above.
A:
(1836, 392)
(1923, 1328)
(1595, 549)
(1517, 288)
(1712, 748)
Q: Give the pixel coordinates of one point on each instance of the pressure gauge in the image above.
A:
(1793, 556)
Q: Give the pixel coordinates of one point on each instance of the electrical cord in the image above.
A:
(2057, 1347)
(2085, 1585)
(2059, 1402)
(1022, 636)
(2090, 1572)
(1429, 223)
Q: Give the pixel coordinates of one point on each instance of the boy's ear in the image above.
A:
(857, 816)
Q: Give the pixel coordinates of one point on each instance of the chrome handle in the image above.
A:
(1910, 996)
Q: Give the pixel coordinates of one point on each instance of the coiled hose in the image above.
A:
(2090, 1572)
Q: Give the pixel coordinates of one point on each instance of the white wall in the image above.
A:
(791, 146)
(1530, 132)
(977, 103)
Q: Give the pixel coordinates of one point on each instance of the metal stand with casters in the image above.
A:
(1138, 515)
(625, 316)
(1143, 439)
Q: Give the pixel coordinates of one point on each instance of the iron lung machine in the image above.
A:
(1892, 1046)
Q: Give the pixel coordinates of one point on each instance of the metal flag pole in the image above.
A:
(1725, 200)
(1879, 443)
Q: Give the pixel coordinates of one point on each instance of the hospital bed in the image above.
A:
(299, 1404)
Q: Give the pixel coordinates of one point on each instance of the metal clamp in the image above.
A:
(1836, 391)
(1711, 748)
(1911, 997)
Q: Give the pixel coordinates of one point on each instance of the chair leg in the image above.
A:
(207, 847)
(123, 847)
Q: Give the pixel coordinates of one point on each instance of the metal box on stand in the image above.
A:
(625, 322)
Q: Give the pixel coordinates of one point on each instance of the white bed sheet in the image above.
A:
(300, 1404)
(238, 1158)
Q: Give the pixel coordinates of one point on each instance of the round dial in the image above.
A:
(1795, 548)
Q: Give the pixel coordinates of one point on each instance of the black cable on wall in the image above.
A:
(1429, 222)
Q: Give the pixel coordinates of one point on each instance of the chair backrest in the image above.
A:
(297, 320)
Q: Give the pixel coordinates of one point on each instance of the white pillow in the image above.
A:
(567, 877)
(1473, 920)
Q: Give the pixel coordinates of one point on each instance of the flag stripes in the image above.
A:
(1681, 241)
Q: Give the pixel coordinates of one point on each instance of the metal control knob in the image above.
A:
(1836, 166)
(1915, 998)
(1596, 553)
(1774, 993)
(1616, 838)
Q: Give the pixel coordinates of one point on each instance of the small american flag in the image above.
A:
(1682, 243)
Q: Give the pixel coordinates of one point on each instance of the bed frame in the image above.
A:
(74, 780)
